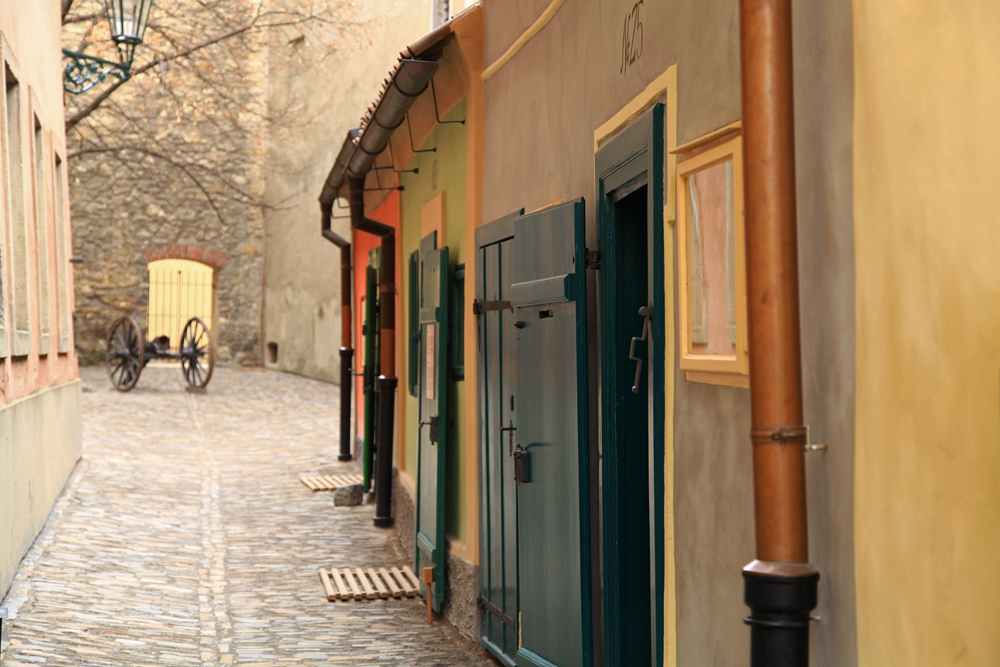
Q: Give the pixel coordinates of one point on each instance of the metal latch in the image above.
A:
(592, 259)
(647, 313)
(480, 307)
(521, 468)
(433, 423)
(510, 435)
(485, 605)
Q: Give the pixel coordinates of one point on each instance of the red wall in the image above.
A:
(387, 213)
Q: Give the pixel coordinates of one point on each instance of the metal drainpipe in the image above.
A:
(387, 348)
(346, 351)
(781, 584)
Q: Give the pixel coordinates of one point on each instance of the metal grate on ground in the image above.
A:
(346, 584)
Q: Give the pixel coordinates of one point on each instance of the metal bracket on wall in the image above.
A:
(436, 114)
(409, 131)
(480, 307)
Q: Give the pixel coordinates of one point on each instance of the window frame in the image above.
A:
(17, 342)
(731, 370)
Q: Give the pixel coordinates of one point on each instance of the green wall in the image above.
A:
(441, 171)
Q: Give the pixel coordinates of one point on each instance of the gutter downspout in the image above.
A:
(781, 584)
(362, 145)
(387, 380)
(346, 351)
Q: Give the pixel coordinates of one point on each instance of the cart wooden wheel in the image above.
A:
(126, 353)
(197, 353)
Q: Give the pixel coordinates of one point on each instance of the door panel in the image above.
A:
(548, 274)
(495, 339)
(433, 415)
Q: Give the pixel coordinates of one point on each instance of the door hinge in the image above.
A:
(593, 259)
(485, 605)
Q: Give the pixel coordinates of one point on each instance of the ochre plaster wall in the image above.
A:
(926, 174)
(441, 171)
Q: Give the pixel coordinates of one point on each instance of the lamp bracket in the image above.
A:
(83, 72)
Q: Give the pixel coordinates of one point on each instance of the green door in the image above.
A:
(548, 294)
(495, 339)
(371, 366)
(433, 398)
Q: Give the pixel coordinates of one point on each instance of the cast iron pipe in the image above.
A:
(780, 585)
(346, 351)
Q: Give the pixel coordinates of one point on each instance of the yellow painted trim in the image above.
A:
(740, 362)
(408, 483)
(469, 33)
(732, 128)
(539, 23)
(458, 547)
(542, 208)
(719, 379)
(665, 84)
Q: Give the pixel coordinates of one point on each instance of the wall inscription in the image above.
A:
(631, 37)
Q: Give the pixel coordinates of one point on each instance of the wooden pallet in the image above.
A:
(368, 584)
(329, 482)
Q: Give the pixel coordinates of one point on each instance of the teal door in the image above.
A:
(548, 295)
(495, 340)
(433, 398)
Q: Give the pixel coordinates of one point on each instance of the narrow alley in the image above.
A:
(184, 537)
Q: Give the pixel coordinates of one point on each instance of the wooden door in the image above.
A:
(495, 341)
(548, 294)
(433, 416)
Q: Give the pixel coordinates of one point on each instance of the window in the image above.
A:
(42, 241)
(458, 323)
(17, 217)
(712, 273)
(62, 261)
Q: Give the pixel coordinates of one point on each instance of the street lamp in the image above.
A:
(128, 19)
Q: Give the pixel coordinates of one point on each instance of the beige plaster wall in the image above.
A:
(37, 454)
(31, 45)
(322, 96)
(927, 240)
(540, 122)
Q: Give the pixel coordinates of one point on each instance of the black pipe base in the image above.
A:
(383, 452)
(779, 616)
(346, 384)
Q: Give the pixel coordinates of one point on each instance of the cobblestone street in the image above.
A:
(185, 537)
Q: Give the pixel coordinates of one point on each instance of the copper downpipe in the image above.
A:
(780, 584)
(346, 351)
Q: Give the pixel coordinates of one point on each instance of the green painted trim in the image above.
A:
(626, 162)
(495, 651)
(583, 426)
(526, 658)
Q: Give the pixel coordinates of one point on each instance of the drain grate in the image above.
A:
(329, 482)
(368, 584)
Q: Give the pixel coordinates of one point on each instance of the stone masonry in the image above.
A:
(185, 538)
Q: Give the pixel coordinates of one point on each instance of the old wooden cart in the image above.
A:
(128, 352)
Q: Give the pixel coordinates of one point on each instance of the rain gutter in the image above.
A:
(780, 586)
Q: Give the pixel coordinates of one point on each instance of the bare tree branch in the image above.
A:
(66, 6)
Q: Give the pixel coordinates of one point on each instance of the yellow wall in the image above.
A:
(927, 198)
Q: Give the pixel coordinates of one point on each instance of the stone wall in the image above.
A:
(174, 157)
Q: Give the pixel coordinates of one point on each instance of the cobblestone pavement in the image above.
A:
(184, 537)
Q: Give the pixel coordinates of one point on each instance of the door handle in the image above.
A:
(433, 423)
(647, 314)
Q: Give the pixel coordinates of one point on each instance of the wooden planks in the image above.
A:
(328, 482)
(368, 584)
